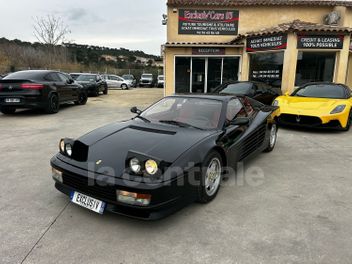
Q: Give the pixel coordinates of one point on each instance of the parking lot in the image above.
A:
(299, 211)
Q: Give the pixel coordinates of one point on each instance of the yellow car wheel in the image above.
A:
(348, 126)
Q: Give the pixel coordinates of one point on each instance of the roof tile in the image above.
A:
(347, 3)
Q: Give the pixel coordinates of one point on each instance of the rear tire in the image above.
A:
(53, 104)
(82, 99)
(211, 176)
(272, 138)
(105, 91)
(8, 110)
(348, 126)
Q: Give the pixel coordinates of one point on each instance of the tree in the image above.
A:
(50, 30)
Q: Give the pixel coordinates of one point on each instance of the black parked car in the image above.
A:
(39, 89)
(173, 153)
(259, 91)
(94, 83)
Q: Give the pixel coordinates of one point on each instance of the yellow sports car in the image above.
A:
(326, 105)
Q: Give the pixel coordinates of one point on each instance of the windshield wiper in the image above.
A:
(178, 123)
(143, 118)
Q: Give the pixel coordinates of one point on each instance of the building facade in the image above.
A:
(283, 43)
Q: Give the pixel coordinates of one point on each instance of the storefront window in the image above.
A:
(198, 75)
(315, 67)
(214, 73)
(207, 73)
(267, 67)
(182, 75)
(231, 68)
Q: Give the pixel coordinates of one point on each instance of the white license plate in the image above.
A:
(88, 202)
(12, 100)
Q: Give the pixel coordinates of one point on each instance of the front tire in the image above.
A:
(272, 138)
(211, 176)
(8, 110)
(124, 87)
(105, 91)
(349, 121)
(53, 104)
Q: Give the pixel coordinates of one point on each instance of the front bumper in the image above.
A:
(166, 197)
(337, 121)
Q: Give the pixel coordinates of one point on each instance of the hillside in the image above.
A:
(17, 54)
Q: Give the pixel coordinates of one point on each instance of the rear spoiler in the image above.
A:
(260, 106)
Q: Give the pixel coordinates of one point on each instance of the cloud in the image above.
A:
(75, 14)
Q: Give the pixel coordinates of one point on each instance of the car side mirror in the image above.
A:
(70, 81)
(240, 121)
(135, 110)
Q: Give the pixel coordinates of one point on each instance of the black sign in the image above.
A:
(208, 22)
(273, 42)
(266, 74)
(320, 41)
(208, 51)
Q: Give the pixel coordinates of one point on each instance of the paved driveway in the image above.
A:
(293, 205)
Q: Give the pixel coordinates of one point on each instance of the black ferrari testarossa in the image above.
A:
(173, 153)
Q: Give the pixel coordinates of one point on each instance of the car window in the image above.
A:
(62, 77)
(119, 79)
(321, 91)
(235, 109)
(53, 77)
(247, 106)
(86, 78)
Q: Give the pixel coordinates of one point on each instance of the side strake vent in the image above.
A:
(79, 151)
(152, 130)
(254, 141)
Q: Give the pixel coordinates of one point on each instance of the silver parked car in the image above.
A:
(160, 83)
(115, 81)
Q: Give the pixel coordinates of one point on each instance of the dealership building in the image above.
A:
(285, 43)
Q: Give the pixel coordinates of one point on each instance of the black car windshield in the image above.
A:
(86, 78)
(321, 91)
(237, 88)
(183, 111)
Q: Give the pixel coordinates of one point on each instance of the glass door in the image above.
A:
(198, 75)
(214, 74)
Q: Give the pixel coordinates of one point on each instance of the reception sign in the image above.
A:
(320, 41)
(262, 43)
(208, 22)
(208, 51)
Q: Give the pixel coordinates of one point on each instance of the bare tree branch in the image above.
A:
(50, 30)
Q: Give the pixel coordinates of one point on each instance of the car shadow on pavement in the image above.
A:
(312, 130)
(37, 112)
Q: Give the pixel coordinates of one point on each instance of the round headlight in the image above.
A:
(151, 167)
(62, 145)
(135, 165)
(68, 149)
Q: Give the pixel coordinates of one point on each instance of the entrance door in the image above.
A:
(214, 73)
(198, 75)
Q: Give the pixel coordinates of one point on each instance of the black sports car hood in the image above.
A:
(110, 145)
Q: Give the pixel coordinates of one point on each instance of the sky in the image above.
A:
(131, 24)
